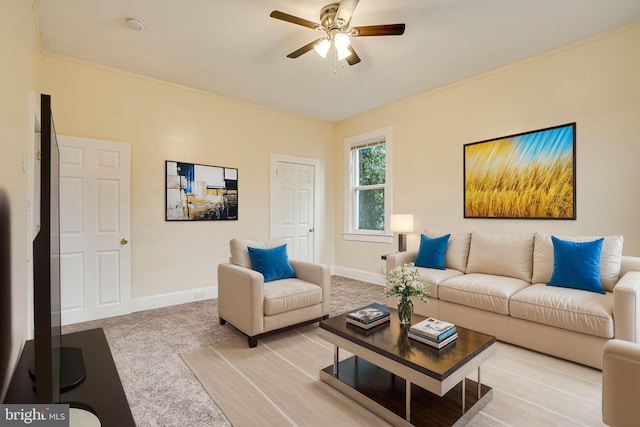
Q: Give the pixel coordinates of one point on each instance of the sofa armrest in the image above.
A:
(620, 383)
(400, 258)
(626, 307)
(629, 263)
(317, 274)
(241, 298)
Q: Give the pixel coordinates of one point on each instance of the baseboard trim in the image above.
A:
(173, 298)
(191, 295)
(70, 317)
(365, 276)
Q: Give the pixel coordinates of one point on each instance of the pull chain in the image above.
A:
(336, 62)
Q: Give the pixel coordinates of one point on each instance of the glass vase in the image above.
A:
(405, 310)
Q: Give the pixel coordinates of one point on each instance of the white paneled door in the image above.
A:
(292, 207)
(94, 229)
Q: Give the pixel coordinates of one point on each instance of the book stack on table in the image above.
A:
(434, 332)
(369, 316)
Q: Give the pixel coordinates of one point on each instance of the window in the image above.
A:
(368, 189)
(368, 186)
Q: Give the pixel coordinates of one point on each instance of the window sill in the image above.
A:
(368, 237)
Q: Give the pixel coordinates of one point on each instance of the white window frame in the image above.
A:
(350, 232)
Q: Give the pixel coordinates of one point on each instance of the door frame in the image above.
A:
(318, 187)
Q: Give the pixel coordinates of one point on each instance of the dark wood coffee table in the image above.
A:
(403, 380)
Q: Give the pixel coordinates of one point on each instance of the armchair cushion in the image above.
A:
(240, 253)
(272, 263)
(289, 294)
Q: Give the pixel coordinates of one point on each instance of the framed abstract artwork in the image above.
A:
(529, 175)
(197, 192)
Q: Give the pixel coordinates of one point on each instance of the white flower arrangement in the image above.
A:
(404, 282)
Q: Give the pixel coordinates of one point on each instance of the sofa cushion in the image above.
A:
(610, 258)
(289, 294)
(240, 253)
(272, 263)
(482, 291)
(457, 253)
(576, 265)
(503, 255)
(571, 309)
(432, 252)
(433, 277)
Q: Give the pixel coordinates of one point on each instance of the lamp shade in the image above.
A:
(401, 223)
(322, 48)
(341, 41)
(343, 53)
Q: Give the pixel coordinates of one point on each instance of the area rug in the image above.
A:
(277, 384)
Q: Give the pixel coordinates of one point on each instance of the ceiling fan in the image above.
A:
(334, 23)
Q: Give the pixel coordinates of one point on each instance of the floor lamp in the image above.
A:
(401, 224)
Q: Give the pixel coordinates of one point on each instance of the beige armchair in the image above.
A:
(621, 383)
(257, 308)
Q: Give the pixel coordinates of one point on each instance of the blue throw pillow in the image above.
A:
(272, 263)
(576, 265)
(432, 252)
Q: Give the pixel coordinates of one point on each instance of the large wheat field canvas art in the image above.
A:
(529, 175)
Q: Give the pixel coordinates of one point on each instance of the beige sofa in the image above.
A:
(497, 284)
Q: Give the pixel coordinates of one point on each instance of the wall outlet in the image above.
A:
(198, 295)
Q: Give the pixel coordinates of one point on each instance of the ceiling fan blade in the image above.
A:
(304, 49)
(352, 59)
(378, 30)
(293, 19)
(345, 10)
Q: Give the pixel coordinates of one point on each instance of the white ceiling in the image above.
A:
(234, 48)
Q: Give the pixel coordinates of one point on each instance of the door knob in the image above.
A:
(124, 241)
(311, 230)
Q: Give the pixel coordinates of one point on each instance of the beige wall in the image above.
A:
(19, 50)
(595, 83)
(168, 122)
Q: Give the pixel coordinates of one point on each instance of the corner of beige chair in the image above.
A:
(621, 383)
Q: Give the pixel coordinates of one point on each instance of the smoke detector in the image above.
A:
(135, 24)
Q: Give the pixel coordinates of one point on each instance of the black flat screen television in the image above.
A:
(54, 368)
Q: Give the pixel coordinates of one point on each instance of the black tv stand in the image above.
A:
(100, 392)
(72, 369)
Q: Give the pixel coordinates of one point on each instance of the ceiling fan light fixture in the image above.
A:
(335, 21)
(322, 48)
(342, 41)
(343, 52)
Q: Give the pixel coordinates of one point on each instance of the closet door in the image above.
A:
(94, 229)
